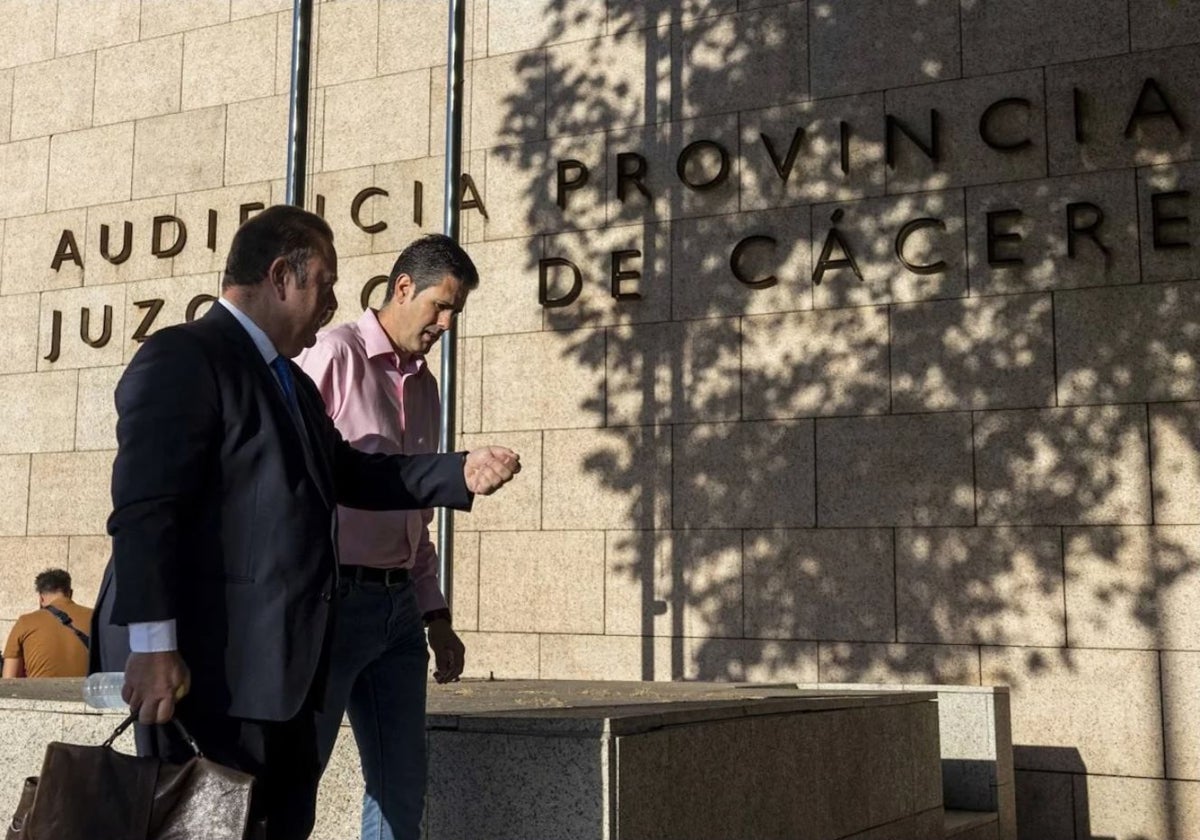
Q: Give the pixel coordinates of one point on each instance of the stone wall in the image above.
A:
(979, 463)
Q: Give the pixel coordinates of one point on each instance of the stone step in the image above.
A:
(971, 825)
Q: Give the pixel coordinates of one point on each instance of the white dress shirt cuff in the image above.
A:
(152, 636)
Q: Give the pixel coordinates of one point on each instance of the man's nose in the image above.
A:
(445, 319)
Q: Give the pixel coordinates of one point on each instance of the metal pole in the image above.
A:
(454, 106)
(297, 149)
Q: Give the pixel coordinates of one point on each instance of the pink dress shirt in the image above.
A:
(380, 403)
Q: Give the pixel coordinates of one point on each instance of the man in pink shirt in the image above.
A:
(383, 398)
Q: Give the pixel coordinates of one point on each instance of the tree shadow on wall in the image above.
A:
(876, 477)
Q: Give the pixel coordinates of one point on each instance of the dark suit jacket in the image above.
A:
(224, 520)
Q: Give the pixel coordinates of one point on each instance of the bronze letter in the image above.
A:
(369, 288)
(85, 324)
(685, 157)
(626, 175)
(212, 230)
(1143, 111)
(565, 185)
(152, 307)
(194, 304)
(1074, 229)
(67, 249)
(544, 266)
(418, 202)
(55, 336)
(245, 211)
(474, 202)
(985, 130)
(619, 274)
(997, 237)
(784, 167)
(1158, 220)
(902, 237)
(156, 247)
(735, 261)
(126, 244)
(932, 149)
(356, 208)
(824, 263)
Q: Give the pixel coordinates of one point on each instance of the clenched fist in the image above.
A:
(490, 467)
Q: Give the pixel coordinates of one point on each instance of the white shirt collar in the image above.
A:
(264, 345)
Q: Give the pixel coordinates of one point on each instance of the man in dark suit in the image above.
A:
(225, 484)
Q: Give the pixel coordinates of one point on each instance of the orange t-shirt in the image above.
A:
(47, 647)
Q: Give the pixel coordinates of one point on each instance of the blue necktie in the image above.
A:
(284, 374)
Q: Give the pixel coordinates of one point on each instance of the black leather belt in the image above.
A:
(369, 574)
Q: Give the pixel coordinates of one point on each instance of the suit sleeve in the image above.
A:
(168, 439)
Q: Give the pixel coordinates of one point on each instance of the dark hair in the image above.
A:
(52, 580)
(279, 231)
(428, 260)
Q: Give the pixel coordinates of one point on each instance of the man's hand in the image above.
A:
(153, 684)
(447, 650)
(489, 468)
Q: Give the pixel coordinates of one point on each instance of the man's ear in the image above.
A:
(277, 274)
(404, 288)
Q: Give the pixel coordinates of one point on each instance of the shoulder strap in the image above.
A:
(65, 620)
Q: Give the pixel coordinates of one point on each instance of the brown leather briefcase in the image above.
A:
(90, 792)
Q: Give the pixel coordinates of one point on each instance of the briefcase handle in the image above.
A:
(187, 736)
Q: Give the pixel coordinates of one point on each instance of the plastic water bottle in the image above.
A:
(103, 690)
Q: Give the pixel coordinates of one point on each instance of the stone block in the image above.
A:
(1133, 587)
(854, 231)
(348, 40)
(1181, 713)
(752, 59)
(23, 173)
(583, 657)
(1165, 194)
(25, 736)
(105, 313)
(874, 46)
(980, 585)
(87, 559)
(1175, 462)
(823, 362)
(256, 140)
(437, 105)
(501, 655)
(606, 478)
(179, 153)
(376, 120)
(1013, 34)
(903, 470)
(712, 165)
(416, 39)
(680, 583)
(24, 559)
(177, 295)
(963, 156)
(143, 79)
(1128, 344)
(557, 578)
(283, 53)
(980, 353)
(1154, 809)
(517, 26)
(398, 209)
(673, 372)
(18, 341)
(701, 252)
(6, 94)
(816, 173)
(53, 96)
(354, 274)
(37, 411)
(1153, 24)
(1109, 89)
(160, 18)
(14, 494)
(625, 274)
(809, 584)
(519, 507)
(1040, 214)
(29, 247)
(523, 772)
(1062, 466)
(208, 248)
(608, 82)
(1098, 707)
(465, 604)
(96, 415)
(470, 379)
(745, 475)
(90, 167)
(69, 493)
(139, 261)
(84, 25)
(506, 300)
(543, 381)
(521, 186)
(239, 9)
(28, 34)
(229, 63)
(625, 17)
(508, 100)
